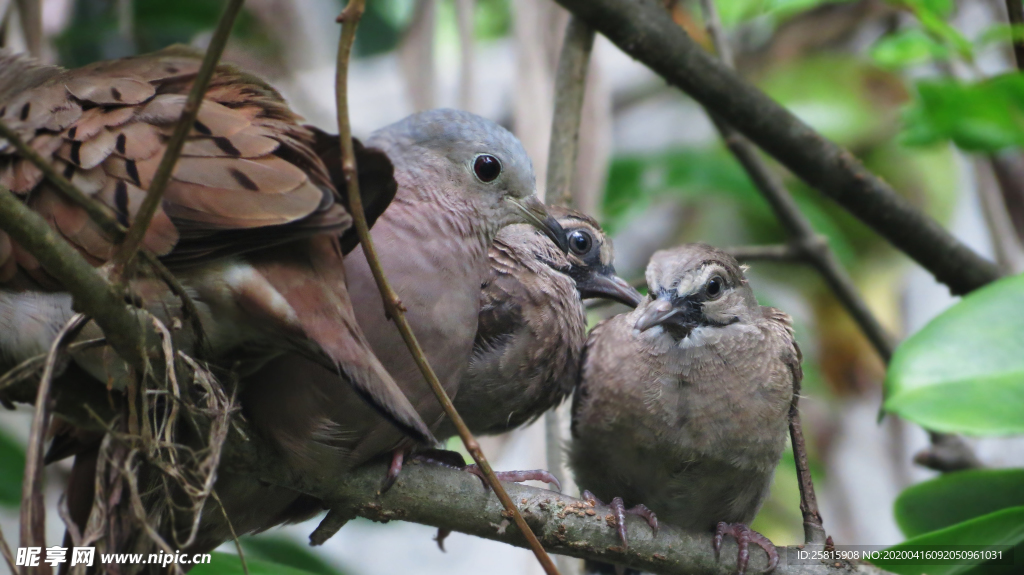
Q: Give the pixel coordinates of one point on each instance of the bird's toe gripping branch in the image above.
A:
(744, 536)
(619, 511)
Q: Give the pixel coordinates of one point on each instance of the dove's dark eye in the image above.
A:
(580, 242)
(486, 167)
(714, 287)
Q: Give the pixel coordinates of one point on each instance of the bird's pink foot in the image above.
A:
(397, 459)
(517, 476)
(619, 511)
(744, 537)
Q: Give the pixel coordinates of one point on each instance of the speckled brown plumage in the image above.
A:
(682, 404)
(532, 325)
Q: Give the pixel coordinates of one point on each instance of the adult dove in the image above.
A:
(682, 404)
(251, 222)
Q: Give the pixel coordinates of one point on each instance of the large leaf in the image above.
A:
(228, 564)
(12, 469)
(956, 497)
(1004, 527)
(964, 371)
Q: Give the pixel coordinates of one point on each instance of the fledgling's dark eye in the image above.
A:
(714, 287)
(487, 167)
(580, 242)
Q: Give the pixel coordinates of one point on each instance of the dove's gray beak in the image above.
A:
(537, 215)
(679, 315)
(605, 284)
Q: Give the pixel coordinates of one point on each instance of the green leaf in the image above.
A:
(12, 469)
(284, 551)
(964, 371)
(932, 15)
(986, 116)
(1004, 527)
(907, 48)
(228, 564)
(956, 497)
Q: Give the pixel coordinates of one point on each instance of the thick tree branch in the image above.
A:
(640, 28)
(349, 19)
(455, 500)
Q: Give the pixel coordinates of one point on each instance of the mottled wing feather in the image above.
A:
(246, 165)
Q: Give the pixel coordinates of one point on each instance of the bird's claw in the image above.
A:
(619, 511)
(744, 536)
(517, 476)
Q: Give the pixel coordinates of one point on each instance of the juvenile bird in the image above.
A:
(682, 404)
(532, 325)
(461, 178)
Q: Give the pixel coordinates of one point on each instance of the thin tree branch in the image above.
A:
(350, 20)
(771, 253)
(31, 15)
(175, 144)
(92, 294)
(570, 87)
(5, 549)
(1015, 12)
(99, 214)
(464, 19)
(639, 27)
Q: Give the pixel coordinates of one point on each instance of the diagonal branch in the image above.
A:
(92, 294)
(640, 28)
(350, 21)
(815, 249)
(175, 144)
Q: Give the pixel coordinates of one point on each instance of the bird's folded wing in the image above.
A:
(248, 176)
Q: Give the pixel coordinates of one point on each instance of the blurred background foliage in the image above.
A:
(924, 92)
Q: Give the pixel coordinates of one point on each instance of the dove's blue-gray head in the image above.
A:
(470, 165)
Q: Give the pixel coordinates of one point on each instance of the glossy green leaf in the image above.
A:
(956, 497)
(986, 116)
(12, 469)
(964, 371)
(284, 551)
(1004, 527)
(907, 48)
(228, 564)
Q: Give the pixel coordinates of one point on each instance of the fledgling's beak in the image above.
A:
(537, 216)
(662, 311)
(605, 284)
